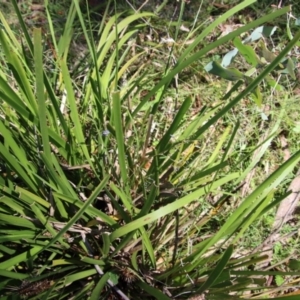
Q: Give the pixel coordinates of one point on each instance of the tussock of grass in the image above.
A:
(125, 172)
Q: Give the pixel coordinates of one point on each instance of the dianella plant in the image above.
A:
(108, 187)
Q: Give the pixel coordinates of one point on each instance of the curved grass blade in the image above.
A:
(168, 208)
(99, 287)
(74, 219)
(14, 261)
(188, 61)
(77, 276)
(74, 113)
(13, 275)
(157, 294)
(213, 276)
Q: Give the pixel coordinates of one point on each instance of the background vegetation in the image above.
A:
(149, 149)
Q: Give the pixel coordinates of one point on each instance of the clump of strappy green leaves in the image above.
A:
(101, 186)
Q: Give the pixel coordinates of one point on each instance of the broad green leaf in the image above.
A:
(229, 57)
(229, 74)
(246, 51)
(289, 68)
(260, 32)
(294, 264)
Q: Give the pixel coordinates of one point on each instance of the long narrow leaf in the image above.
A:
(117, 120)
(218, 270)
(38, 60)
(79, 213)
(167, 209)
(199, 54)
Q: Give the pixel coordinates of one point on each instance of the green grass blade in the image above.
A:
(13, 220)
(23, 25)
(39, 76)
(117, 121)
(30, 198)
(13, 99)
(92, 211)
(213, 26)
(148, 246)
(78, 132)
(213, 276)
(151, 217)
(99, 287)
(15, 166)
(127, 202)
(80, 275)
(249, 203)
(157, 294)
(14, 261)
(74, 219)
(188, 61)
(41, 217)
(218, 148)
(250, 87)
(13, 275)
(174, 126)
